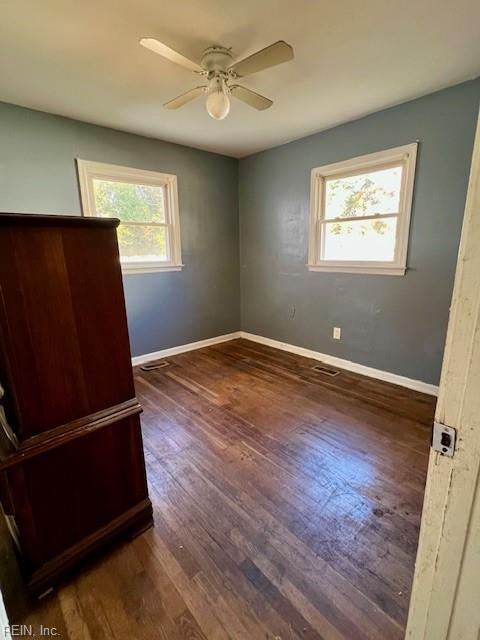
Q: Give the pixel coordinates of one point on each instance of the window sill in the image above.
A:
(377, 270)
(152, 267)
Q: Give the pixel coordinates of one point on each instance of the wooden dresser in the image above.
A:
(72, 472)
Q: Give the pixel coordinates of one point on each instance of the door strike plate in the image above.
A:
(443, 439)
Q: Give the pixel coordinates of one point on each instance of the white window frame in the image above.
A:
(88, 171)
(405, 155)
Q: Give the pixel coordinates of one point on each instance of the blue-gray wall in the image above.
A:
(37, 175)
(388, 322)
(393, 323)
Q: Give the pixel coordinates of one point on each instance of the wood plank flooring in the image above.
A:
(287, 506)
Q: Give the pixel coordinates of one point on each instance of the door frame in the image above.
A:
(445, 602)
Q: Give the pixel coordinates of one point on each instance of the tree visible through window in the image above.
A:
(348, 200)
(360, 216)
(141, 209)
(145, 203)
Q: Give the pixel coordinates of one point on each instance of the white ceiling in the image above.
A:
(81, 58)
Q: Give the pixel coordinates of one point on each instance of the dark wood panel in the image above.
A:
(98, 303)
(287, 505)
(68, 343)
(55, 221)
(71, 456)
(94, 489)
(44, 351)
(19, 452)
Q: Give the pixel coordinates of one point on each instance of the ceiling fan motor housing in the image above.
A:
(216, 60)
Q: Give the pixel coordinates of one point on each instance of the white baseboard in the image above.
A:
(386, 376)
(182, 348)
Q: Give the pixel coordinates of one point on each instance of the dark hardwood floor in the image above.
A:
(287, 505)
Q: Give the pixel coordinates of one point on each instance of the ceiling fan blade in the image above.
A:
(169, 54)
(253, 99)
(269, 57)
(179, 101)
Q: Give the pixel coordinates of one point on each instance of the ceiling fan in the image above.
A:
(219, 72)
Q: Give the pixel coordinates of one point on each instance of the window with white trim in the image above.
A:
(360, 213)
(146, 203)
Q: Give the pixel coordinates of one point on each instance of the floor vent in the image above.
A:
(326, 370)
(151, 366)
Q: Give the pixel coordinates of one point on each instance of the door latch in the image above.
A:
(443, 439)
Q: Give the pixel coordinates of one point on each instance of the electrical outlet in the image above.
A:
(337, 333)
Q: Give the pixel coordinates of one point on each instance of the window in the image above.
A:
(360, 213)
(146, 203)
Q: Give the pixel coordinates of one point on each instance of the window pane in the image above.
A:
(364, 194)
(142, 243)
(129, 202)
(360, 240)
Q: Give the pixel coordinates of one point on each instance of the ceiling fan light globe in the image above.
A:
(218, 105)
